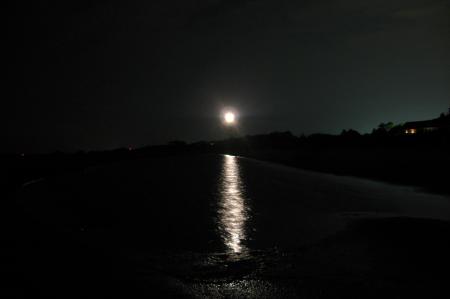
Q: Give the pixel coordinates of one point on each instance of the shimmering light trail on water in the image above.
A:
(232, 206)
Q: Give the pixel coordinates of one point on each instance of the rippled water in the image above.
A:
(206, 226)
(215, 203)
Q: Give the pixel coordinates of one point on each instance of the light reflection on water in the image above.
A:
(232, 208)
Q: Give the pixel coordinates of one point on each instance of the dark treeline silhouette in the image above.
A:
(388, 153)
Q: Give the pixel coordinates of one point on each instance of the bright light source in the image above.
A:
(229, 118)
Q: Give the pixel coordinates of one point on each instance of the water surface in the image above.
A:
(215, 203)
(208, 225)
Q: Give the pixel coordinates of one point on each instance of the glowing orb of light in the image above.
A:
(229, 118)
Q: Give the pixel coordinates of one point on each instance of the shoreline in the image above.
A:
(425, 178)
(421, 168)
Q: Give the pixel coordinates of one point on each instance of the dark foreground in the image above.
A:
(224, 227)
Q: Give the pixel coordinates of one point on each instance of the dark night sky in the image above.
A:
(105, 74)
